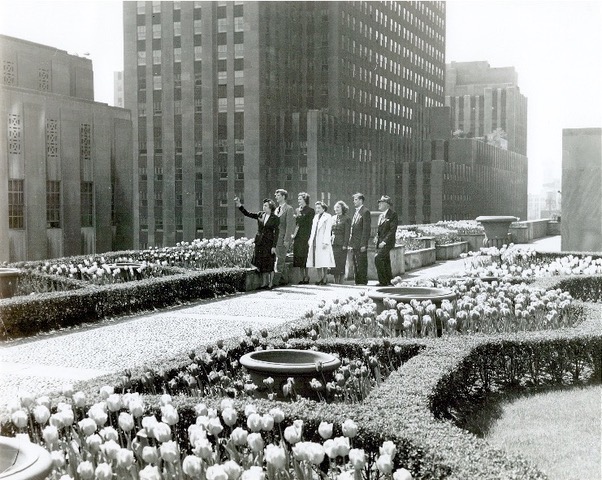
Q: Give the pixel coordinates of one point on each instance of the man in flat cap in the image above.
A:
(385, 240)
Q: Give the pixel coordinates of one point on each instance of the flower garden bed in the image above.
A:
(433, 386)
(511, 262)
(405, 410)
(70, 291)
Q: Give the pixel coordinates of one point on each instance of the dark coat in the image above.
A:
(304, 219)
(387, 230)
(360, 229)
(341, 226)
(265, 240)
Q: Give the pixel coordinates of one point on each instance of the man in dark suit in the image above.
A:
(286, 213)
(385, 240)
(359, 238)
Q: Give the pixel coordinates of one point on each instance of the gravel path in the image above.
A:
(48, 362)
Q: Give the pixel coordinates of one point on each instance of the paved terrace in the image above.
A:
(48, 361)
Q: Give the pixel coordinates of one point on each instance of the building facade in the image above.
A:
(483, 99)
(118, 97)
(581, 225)
(461, 178)
(241, 98)
(65, 160)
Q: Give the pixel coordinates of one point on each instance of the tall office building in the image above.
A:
(483, 99)
(241, 98)
(65, 161)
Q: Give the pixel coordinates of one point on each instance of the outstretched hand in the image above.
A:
(237, 202)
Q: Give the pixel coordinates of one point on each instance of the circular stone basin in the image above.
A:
(9, 278)
(406, 294)
(22, 460)
(496, 218)
(125, 270)
(280, 364)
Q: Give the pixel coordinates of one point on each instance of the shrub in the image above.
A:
(28, 315)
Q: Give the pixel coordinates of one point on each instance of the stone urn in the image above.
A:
(22, 460)
(281, 364)
(9, 279)
(496, 229)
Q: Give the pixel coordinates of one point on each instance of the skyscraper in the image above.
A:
(241, 98)
(483, 99)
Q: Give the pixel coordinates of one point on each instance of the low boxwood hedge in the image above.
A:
(28, 315)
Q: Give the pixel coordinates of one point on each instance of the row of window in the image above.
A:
(176, 5)
(16, 204)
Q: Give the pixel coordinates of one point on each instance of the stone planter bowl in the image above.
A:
(9, 279)
(280, 364)
(406, 294)
(125, 270)
(22, 460)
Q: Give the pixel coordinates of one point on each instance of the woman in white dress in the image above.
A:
(320, 254)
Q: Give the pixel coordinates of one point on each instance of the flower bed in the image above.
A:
(480, 308)
(217, 372)
(410, 235)
(510, 261)
(101, 271)
(202, 254)
(463, 227)
(115, 438)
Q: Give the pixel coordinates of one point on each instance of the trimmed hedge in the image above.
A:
(29, 315)
(586, 288)
(555, 255)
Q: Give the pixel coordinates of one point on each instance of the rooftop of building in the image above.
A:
(8, 39)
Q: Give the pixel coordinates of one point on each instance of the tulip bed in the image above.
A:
(202, 254)
(480, 308)
(119, 267)
(119, 438)
(216, 371)
(510, 262)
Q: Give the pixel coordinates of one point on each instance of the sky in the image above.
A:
(554, 46)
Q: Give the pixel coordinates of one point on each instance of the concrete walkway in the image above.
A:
(48, 361)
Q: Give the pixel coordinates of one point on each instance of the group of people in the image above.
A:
(319, 239)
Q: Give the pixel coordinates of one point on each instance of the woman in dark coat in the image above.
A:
(341, 226)
(304, 217)
(264, 255)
